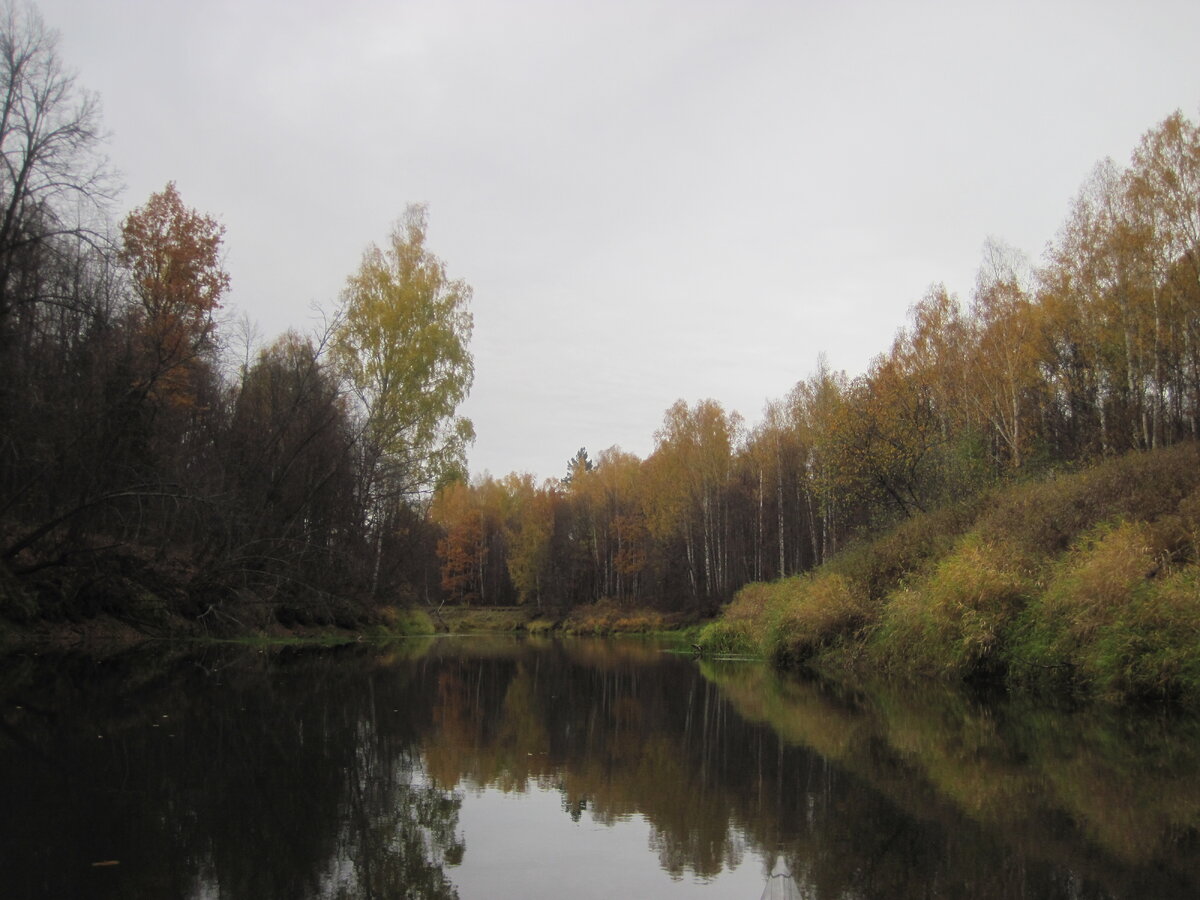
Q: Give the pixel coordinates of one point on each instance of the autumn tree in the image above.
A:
(1164, 202)
(626, 552)
(692, 463)
(529, 529)
(140, 405)
(57, 299)
(933, 351)
(608, 524)
(463, 549)
(288, 449)
(815, 405)
(933, 354)
(889, 437)
(1007, 350)
(402, 347)
(173, 255)
(1097, 269)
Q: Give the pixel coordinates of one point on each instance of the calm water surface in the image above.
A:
(497, 768)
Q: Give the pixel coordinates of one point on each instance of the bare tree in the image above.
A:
(53, 179)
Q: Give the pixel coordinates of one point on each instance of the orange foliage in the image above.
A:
(174, 259)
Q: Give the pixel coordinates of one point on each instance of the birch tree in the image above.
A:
(402, 346)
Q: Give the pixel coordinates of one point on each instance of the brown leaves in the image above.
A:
(173, 255)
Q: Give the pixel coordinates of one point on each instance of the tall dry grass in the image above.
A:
(956, 620)
(1120, 614)
(831, 612)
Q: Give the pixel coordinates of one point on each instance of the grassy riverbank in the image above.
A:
(154, 618)
(604, 617)
(1088, 582)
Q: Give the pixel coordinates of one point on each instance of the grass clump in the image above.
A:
(955, 621)
(541, 626)
(608, 616)
(484, 619)
(880, 564)
(405, 622)
(743, 627)
(1045, 518)
(829, 611)
(723, 638)
(1119, 616)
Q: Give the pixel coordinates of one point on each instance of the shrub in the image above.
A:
(609, 616)
(399, 621)
(541, 626)
(1157, 651)
(639, 623)
(1086, 591)
(1025, 581)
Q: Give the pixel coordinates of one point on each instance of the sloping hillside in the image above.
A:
(1088, 581)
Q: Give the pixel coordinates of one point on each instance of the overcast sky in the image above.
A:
(651, 200)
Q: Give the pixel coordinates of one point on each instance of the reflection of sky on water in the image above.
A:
(581, 860)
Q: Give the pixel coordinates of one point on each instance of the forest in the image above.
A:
(156, 464)
(1048, 368)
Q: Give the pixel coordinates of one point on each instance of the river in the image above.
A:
(497, 767)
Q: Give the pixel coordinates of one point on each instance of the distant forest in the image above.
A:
(154, 463)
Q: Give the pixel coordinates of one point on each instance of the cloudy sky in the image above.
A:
(651, 200)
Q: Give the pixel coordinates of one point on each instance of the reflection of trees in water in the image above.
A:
(396, 830)
(727, 763)
(304, 775)
(236, 775)
(682, 849)
(396, 836)
(781, 885)
(606, 730)
(1078, 804)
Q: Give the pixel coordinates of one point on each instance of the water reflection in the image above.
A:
(1070, 803)
(497, 767)
(227, 774)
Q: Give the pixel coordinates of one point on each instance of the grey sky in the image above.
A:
(651, 200)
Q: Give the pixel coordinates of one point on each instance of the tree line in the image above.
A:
(148, 465)
(1091, 353)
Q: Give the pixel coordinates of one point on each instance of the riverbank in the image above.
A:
(1085, 583)
(602, 618)
(154, 619)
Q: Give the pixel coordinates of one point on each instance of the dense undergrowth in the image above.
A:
(1087, 582)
